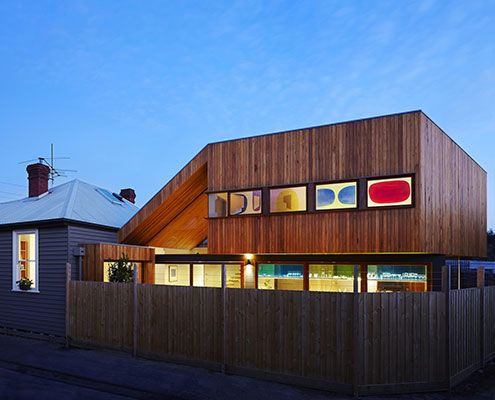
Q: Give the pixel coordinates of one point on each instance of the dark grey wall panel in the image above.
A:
(80, 235)
(42, 312)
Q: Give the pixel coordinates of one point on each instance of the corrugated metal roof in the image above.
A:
(74, 200)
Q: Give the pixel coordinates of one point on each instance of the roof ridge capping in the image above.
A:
(70, 200)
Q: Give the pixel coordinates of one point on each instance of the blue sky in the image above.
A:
(131, 90)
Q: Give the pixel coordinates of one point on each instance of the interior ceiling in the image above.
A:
(180, 221)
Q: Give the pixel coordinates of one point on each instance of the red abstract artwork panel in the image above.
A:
(390, 192)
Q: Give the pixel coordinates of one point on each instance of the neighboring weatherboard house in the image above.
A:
(40, 234)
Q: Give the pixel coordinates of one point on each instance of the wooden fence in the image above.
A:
(356, 343)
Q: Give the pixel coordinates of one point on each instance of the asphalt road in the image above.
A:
(21, 386)
(33, 369)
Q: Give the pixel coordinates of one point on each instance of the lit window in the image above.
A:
(172, 274)
(217, 205)
(243, 203)
(288, 199)
(210, 275)
(335, 196)
(390, 192)
(280, 276)
(332, 278)
(25, 266)
(207, 275)
(397, 278)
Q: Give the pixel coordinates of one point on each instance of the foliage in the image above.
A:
(24, 283)
(121, 271)
(491, 244)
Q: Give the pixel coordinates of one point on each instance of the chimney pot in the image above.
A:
(128, 194)
(38, 175)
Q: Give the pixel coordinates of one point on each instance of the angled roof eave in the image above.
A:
(127, 233)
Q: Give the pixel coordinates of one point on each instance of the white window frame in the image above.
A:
(15, 253)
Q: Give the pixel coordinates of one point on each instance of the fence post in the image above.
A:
(135, 311)
(356, 344)
(224, 325)
(480, 280)
(446, 290)
(68, 271)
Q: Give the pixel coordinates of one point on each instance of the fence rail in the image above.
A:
(361, 343)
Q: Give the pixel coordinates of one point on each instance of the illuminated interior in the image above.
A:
(203, 275)
(288, 199)
(390, 192)
(172, 274)
(397, 278)
(280, 276)
(26, 257)
(217, 205)
(244, 203)
(336, 196)
(332, 278)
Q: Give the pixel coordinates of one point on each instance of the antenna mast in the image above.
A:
(50, 163)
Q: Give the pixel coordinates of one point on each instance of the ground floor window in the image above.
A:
(397, 278)
(332, 278)
(25, 265)
(210, 275)
(131, 264)
(172, 274)
(233, 276)
(281, 276)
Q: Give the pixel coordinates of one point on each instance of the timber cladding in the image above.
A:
(97, 254)
(448, 216)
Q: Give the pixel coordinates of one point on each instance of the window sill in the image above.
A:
(26, 291)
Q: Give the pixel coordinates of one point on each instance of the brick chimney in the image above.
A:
(38, 175)
(128, 194)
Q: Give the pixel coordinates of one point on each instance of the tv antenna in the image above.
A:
(50, 163)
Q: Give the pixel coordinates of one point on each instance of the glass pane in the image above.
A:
(335, 196)
(27, 246)
(233, 276)
(288, 199)
(243, 203)
(217, 205)
(207, 275)
(172, 274)
(397, 278)
(280, 276)
(106, 269)
(390, 192)
(332, 278)
(27, 270)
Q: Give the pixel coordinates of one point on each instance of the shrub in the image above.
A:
(121, 271)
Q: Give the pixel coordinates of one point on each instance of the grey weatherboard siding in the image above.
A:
(43, 312)
(80, 235)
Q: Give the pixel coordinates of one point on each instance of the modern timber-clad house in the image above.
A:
(297, 210)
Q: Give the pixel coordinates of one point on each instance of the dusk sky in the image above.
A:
(131, 90)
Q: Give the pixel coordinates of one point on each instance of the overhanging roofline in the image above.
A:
(55, 222)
